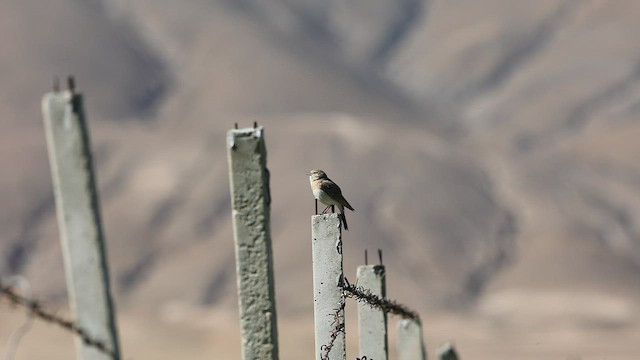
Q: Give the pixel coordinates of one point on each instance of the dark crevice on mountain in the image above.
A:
(220, 278)
(152, 78)
(617, 219)
(217, 211)
(398, 32)
(163, 213)
(505, 241)
(583, 112)
(521, 51)
(17, 256)
(131, 277)
(321, 48)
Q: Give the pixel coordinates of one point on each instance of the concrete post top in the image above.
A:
(257, 132)
(377, 269)
(318, 220)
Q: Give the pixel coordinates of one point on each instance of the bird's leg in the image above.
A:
(333, 208)
(316, 206)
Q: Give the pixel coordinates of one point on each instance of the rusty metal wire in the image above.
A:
(17, 335)
(38, 310)
(364, 296)
(338, 323)
(388, 306)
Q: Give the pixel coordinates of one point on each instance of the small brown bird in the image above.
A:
(328, 193)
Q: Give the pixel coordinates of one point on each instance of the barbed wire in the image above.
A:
(354, 291)
(338, 322)
(38, 310)
(363, 295)
(17, 335)
(386, 305)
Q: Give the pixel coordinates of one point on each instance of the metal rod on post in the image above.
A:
(250, 200)
(410, 344)
(372, 322)
(78, 213)
(328, 296)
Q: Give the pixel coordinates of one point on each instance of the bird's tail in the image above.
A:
(344, 221)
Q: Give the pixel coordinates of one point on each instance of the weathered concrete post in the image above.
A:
(410, 344)
(372, 322)
(446, 351)
(328, 296)
(78, 211)
(250, 200)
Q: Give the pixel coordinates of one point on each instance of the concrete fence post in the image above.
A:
(250, 200)
(372, 322)
(446, 351)
(328, 296)
(78, 213)
(410, 344)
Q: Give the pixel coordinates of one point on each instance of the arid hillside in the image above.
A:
(489, 148)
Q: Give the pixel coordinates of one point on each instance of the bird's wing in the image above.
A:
(333, 190)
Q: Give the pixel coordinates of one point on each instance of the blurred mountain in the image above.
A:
(489, 148)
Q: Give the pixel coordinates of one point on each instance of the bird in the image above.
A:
(328, 193)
